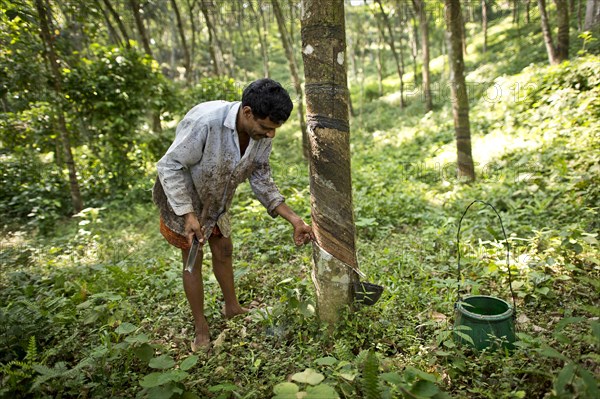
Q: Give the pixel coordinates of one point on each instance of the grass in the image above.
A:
(96, 307)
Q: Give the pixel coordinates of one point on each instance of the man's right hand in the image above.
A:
(193, 228)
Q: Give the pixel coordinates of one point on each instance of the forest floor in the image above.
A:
(96, 307)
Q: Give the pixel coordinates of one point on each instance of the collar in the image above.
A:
(232, 116)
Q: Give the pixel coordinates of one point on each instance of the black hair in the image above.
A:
(267, 98)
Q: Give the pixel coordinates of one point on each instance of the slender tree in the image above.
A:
(216, 53)
(334, 254)
(187, 63)
(44, 14)
(112, 32)
(120, 23)
(397, 54)
(419, 6)
(262, 38)
(559, 52)
(460, 100)
(289, 53)
(592, 15)
(484, 23)
(139, 22)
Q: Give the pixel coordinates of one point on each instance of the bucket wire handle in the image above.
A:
(507, 251)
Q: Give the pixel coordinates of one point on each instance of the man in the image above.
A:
(217, 146)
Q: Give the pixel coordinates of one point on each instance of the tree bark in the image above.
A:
(187, 64)
(135, 8)
(484, 23)
(191, 7)
(324, 45)
(289, 53)
(547, 33)
(460, 100)
(262, 38)
(112, 32)
(399, 59)
(120, 24)
(419, 6)
(592, 15)
(562, 38)
(215, 46)
(560, 52)
(52, 59)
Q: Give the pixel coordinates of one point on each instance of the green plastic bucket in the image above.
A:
(485, 319)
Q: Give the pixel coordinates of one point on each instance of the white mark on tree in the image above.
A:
(340, 58)
(308, 50)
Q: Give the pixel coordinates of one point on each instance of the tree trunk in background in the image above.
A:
(289, 53)
(527, 8)
(592, 15)
(419, 6)
(552, 58)
(379, 63)
(560, 52)
(460, 99)
(334, 252)
(484, 23)
(192, 16)
(187, 64)
(414, 49)
(44, 18)
(215, 46)
(116, 39)
(135, 8)
(390, 39)
(262, 38)
(515, 12)
(120, 24)
(562, 38)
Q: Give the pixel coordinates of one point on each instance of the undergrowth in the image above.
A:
(96, 308)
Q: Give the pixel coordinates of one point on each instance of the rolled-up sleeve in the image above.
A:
(263, 185)
(186, 150)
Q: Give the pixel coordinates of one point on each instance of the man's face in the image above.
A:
(257, 128)
(262, 128)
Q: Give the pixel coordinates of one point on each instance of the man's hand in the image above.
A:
(193, 228)
(303, 233)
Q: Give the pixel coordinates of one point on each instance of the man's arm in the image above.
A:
(303, 233)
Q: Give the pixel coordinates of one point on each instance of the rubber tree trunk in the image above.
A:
(187, 63)
(562, 38)
(216, 53)
(44, 18)
(112, 32)
(120, 23)
(592, 15)
(334, 252)
(419, 6)
(560, 52)
(262, 37)
(458, 88)
(135, 9)
(484, 23)
(397, 57)
(289, 53)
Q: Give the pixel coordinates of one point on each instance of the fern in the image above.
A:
(343, 351)
(370, 378)
(32, 354)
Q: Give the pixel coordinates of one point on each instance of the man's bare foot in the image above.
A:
(202, 339)
(232, 311)
(201, 343)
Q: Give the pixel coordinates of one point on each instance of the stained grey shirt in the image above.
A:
(202, 169)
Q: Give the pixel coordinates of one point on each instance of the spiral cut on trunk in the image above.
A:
(327, 102)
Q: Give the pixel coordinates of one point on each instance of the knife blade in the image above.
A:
(191, 260)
